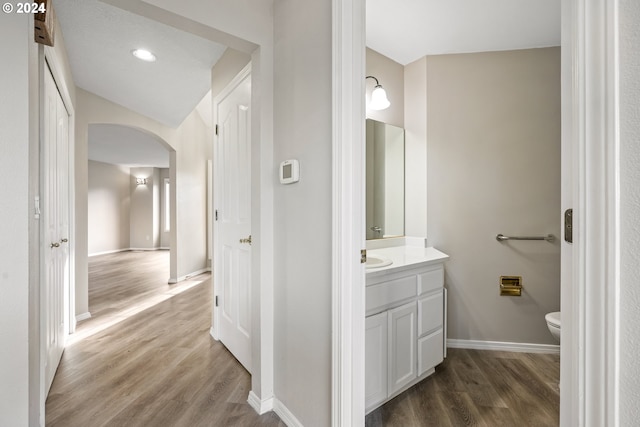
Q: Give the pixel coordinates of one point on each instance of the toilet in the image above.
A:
(553, 323)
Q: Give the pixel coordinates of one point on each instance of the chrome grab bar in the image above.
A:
(502, 238)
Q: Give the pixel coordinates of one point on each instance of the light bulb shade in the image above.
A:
(379, 99)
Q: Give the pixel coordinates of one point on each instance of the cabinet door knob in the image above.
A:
(64, 240)
(55, 245)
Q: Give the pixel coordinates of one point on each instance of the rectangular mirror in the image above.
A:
(385, 180)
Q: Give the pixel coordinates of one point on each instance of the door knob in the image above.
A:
(64, 240)
(55, 245)
(247, 240)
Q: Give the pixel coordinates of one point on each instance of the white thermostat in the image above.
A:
(289, 171)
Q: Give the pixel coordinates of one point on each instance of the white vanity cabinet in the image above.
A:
(405, 329)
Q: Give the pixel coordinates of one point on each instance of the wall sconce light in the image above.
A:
(379, 99)
(141, 181)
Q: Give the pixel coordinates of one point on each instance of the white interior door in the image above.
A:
(232, 247)
(55, 213)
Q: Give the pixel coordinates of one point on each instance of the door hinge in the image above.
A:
(216, 129)
(36, 209)
(363, 256)
(216, 300)
(568, 226)
(216, 214)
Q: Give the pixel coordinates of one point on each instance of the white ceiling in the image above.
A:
(125, 146)
(407, 30)
(99, 39)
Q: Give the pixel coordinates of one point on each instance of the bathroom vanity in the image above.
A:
(405, 319)
(405, 325)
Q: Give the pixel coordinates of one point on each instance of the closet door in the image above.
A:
(55, 221)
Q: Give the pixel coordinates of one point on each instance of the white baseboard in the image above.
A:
(83, 316)
(504, 346)
(188, 276)
(285, 414)
(164, 248)
(193, 274)
(109, 252)
(212, 332)
(144, 249)
(261, 406)
(272, 404)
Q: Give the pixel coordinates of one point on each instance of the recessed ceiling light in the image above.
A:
(143, 54)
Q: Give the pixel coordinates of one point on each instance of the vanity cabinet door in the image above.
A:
(430, 351)
(402, 346)
(430, 313)
(375, 362)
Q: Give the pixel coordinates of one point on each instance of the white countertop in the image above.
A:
(405, 257)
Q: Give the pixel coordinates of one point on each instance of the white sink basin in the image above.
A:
(377, 261)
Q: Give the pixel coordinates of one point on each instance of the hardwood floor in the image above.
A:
(480, 388)
(126, 283)
(159, 367)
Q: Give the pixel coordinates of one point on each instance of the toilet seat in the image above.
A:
(553, 319)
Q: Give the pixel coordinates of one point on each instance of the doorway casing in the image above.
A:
(590, 332)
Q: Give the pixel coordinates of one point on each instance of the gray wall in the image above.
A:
(15, 217)
(144, 216)
(108, 207)
(228, 66)
(630, 211)
(191, 194)
(122, 214)
(165, 236)
(494, 167)
(302, 226)
(415, 121)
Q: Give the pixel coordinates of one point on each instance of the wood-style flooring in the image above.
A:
(158, 367)
(125, 283)
(480, 388)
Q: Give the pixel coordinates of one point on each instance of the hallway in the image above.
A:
(159, 367)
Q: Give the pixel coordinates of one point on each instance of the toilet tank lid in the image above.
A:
(553, 318)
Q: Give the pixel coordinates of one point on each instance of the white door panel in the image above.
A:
(55, 211)
(232, 195)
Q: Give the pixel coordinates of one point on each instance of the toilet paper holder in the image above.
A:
(511, 286)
